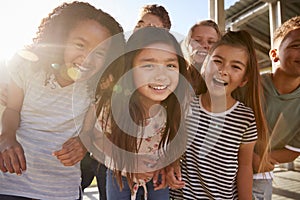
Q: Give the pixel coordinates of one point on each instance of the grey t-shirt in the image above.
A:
(283, 115)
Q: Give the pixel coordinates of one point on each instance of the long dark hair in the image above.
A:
(251, 94)
(127, 100)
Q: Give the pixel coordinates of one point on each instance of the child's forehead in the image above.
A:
(221, 47)
(280, 39)
(161, 46)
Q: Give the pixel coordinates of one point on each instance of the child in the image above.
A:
(38, 142)
(223, 124)
(153, 15)
(282, 99)
(201, 37)
(195, 47)
(138, 131)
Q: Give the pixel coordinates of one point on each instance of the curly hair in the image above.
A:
(158, 11)
(52, 34)
(286, 27)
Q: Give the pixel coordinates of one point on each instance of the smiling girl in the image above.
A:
(39, 150)
(142, 117)
(224, 124)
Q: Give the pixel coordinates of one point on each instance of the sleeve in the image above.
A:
(294, 144)
(19, 70)
(250, 134)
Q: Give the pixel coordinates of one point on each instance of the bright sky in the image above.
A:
(19, 19)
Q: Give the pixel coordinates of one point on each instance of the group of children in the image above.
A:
(166, 125)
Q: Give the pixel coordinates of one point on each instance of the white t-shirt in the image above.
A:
(50, 115)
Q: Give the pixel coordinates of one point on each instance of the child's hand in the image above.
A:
(173, 177)
(270, 165)
(72, 152)
(12, 158)
(3, 94)
(159, 179)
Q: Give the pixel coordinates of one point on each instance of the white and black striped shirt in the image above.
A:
(210, 164)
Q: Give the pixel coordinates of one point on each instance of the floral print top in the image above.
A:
(148, 141)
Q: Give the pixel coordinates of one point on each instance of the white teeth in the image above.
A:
(81, 68)
(219, 81)
(202, 53)
(159, 87)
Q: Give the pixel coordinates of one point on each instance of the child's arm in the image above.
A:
(284, 155)
(12, 157)
(73, 150)
(245, 175)
(3, 94)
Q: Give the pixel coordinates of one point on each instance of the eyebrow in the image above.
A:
(155, 60)
(80, 38)
(234, 61)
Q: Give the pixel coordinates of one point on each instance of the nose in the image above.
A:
(86, 52)
(160, 73)
(222, 70)
(87, 56)
(204, 45)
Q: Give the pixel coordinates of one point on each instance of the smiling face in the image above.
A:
(202, 39)
(86, 49)
(226, 70)
(156, 73)
(289, 53)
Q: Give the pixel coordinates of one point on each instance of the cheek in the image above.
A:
(98, 63)
(175, 79)
(194, 45)
(139, 78)
(210, 46)
(67, 55)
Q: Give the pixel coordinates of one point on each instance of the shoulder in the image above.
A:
(20, 64)
(266, 78)
(243, 110)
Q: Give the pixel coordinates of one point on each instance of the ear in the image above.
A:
(244, 82)
(274, 55)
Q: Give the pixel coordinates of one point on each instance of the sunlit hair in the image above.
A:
(174, 104)
(158, 11)
(209, 23)
(194, 71)
(286, 28)
(50, 41)
(251, 94)
(186, 42)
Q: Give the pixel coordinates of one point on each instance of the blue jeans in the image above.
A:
(114, 193)
(262, 189)
(10, 197)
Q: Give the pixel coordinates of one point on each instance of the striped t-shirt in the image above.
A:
(50, 115)
(209, 166)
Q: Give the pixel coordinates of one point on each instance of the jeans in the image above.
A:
(113, 190)
(262, 189)
(10, 197)
(91, 168)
